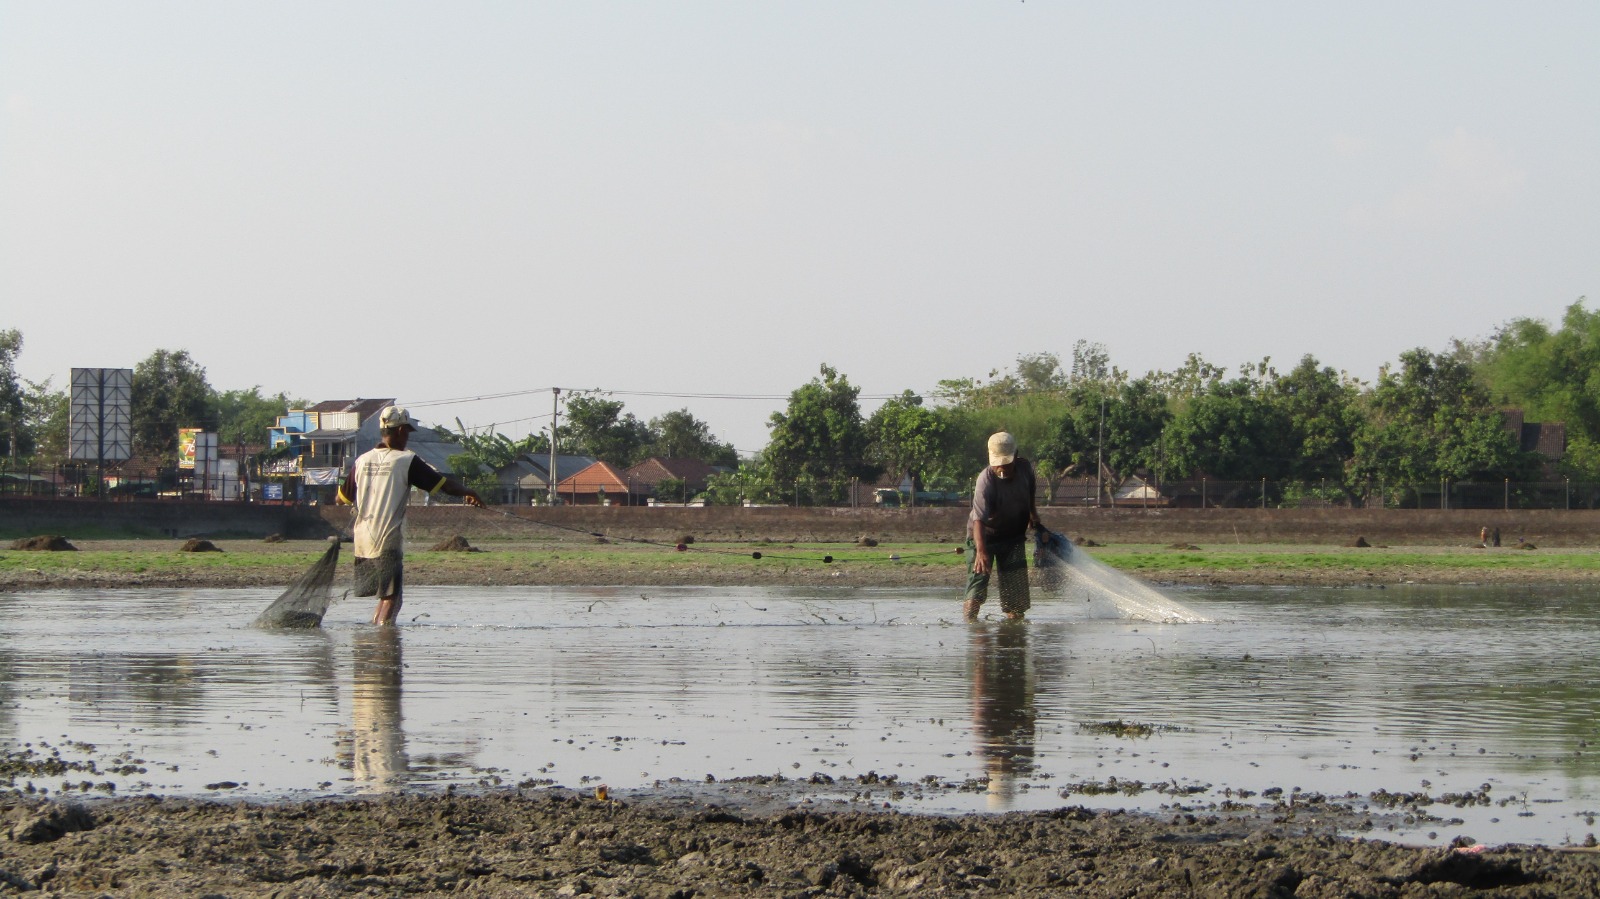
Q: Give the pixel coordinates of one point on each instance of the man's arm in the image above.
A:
(426, 478)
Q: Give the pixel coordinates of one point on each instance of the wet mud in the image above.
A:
(565, 843)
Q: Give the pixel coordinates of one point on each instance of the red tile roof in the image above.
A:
(594, 478)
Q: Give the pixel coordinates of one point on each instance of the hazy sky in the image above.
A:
(445, 200)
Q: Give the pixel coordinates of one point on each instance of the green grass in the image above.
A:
(1154, 561)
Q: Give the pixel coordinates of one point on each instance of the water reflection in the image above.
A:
(1003, 709)
(379, 745)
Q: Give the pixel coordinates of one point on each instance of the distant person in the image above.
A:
(1494, 537)
(379, 485)
(1003, 508)
(1483, 536)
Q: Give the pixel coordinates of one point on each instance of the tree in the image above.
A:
(1433, 421)
(820, 439)
(598, 427)
(1118, 425)
(169, 392)
(245, 416)
(679, 435)
(905, 437)
(46, 415)
(14, 438)
(1324, 416)
(1550, 375)
(1233, 431)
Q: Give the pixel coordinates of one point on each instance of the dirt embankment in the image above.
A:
(558, 843)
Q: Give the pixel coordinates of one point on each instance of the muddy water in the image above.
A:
(1418, 690)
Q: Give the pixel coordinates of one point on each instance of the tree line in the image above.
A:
(1432, 416)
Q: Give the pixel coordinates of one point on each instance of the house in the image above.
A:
(601, 484)
(527, 479)
(693, 475)
(316, 446)
(1547, 440)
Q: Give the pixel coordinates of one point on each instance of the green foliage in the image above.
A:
(1234, 431)
(244, 416)
(169, 392)
(1433, 421)
(820, 440)
(1117, 424)
(15, 439)
(46, 414)
(679, 435)
(1550, 375)
(1324, 415)
(905, 437)
(486, 451)
(598, 427)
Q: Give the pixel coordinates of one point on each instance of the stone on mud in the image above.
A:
(51, 822)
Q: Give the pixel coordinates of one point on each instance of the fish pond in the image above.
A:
(1441, 711)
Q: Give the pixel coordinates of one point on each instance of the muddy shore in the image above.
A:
(749, 839)
(516, 842)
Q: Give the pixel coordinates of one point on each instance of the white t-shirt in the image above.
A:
(382, 479)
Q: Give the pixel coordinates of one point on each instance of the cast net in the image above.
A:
(1072, 574)
(307, 599)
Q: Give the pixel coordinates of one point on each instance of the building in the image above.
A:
(526, 481)
(602, 484)
(688, 475)
(309, 450)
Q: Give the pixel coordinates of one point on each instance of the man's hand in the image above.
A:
(981, 562)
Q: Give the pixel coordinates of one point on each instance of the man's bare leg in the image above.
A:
(388, 610)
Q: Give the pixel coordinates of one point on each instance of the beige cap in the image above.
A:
(1002, 449)
(395, 417)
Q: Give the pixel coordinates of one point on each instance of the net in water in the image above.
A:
(306, 600)
(1071, 573)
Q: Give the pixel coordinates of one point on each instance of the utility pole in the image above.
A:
(555, 415)
(1099, 447)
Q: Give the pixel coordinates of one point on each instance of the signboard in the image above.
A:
(272, 491)
(186, 441)
(100, 420)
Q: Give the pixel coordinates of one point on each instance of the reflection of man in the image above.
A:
(1002, 705)
(380, 743)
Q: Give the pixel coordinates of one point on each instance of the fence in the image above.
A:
(153, 483)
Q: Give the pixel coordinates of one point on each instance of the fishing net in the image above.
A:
(307, 599)
(1073, 574)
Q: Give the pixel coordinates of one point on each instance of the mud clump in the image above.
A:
(1359, 542)
(864, 540)
(1085, 541)
(1184, 546)
(272, 538)
(44, 543)
(196, 545)
(686, 539)
(456, 544)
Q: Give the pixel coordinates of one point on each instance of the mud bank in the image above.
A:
(561, 843)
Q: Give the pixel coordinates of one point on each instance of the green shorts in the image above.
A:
(1010, 566)
(380, 576)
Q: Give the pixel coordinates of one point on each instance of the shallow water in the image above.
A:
(1414, 689)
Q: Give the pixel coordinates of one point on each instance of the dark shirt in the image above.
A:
(1004, 506)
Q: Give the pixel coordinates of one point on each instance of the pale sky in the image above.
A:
(444, 200)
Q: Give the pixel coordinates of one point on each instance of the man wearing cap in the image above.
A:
(379, 486)
(1003, 508)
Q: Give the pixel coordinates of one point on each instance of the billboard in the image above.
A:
(186, 441)
(100, 419)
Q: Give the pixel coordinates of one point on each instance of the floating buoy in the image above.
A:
(756, 554)
(827, 560)
(683, 547)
